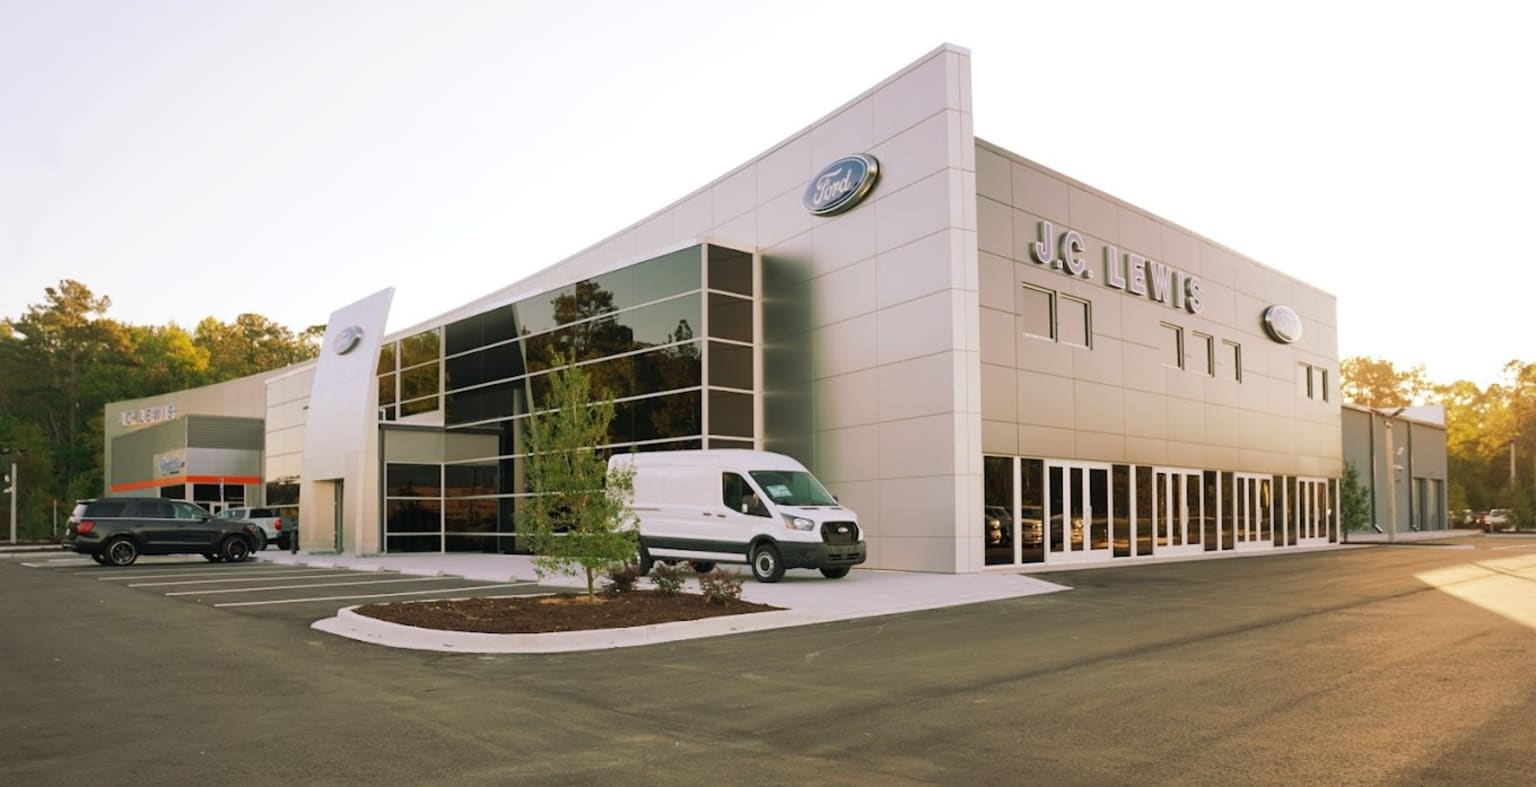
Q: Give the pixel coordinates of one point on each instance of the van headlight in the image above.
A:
(798, 523)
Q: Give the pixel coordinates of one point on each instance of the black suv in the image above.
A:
(116, 530)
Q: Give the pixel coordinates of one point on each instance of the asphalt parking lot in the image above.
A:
(1377, 665)
(272, 590)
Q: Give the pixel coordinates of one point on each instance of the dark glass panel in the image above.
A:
(386, 390)
(387, 413)
(510, 442)
(1031, 510)
(413, 516)
(208, 492)
(1120, 481)
(622, 428)
(412, 480)
(469, 516)
(537, 314)
(281, 494)
(482, 404)
(386, 357)
(418, 349)
(464, 480)
(730, 414)
(675, 445)
(720, 442)
(506, 522)
(174, 492)
(730, 317)
(730, 270)
(1210, 523)
(1144, 510)
(488, 544)
(464, 370)
(432, 543)
(997, 519)
(419, 406)
(730, 365)
(1228, 525)
(618, 287)
(418, 382)
(477, 331)
(668, 275)
(662, 417)
(668, 369)
(1096, 524)
(1056, 516)
(667, 322)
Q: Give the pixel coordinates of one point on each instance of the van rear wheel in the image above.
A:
(835, 573)
(644, 561)
(766, 564)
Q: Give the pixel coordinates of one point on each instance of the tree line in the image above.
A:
(64, 359)
(1490, 432)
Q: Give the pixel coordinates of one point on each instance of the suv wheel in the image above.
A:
(212, 557)
(235, 549)
(97, 556)
(121, 551)
(261, 540)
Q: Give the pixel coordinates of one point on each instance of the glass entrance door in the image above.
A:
(1312, 514)
(1254, 519)
(1178, 511)
(1078, 502)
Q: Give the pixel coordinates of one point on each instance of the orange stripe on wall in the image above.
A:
(156, 483)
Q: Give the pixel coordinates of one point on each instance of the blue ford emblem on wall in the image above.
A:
(841, 185)
(1283, 324)
(347, 340)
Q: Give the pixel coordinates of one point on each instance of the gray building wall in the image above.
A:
(1421, 467)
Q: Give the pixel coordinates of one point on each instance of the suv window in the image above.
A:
(105, 508)
(188, 511)
(263, 513)
(150, 509)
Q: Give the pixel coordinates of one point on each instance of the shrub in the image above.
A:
(720, 586)
(668, 578)
(622, 577)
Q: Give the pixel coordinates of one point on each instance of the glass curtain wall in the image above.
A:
(672, 340)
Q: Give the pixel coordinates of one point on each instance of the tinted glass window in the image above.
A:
(417, 349)
(1037, 315)
(411, 480)
(188, 511)
(105, 508)
(419, 406)
(730, 365)
(668, 275)
(730, 414)
(730, 317)
(150, 509)
(418, 382)
(386, 390)
(662, 417)
(387, 357)
(730, 270)
(502, 400)
(477, 331)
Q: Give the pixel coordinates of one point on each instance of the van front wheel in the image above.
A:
(644, 561)
(835, 573)
(766, 564)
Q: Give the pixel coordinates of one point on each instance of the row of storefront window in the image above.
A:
(1040, 510)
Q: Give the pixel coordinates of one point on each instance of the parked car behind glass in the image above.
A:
(1500, 519)
(116, 530)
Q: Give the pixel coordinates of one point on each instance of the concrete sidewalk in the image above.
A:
(805, 598)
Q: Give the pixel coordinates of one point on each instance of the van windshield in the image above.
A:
(793, 488)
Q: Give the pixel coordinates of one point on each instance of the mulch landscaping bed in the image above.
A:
(563, 612)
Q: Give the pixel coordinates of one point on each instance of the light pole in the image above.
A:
(1392, 467)
(11, 480)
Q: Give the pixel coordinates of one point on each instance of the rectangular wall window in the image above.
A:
(1074, 321)
(1204, 348)
(1234, 353)
(1321, 388)
(1172, 347)
(1304, 380)
(1037, 312)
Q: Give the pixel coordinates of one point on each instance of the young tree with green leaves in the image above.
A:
(579, 517)
(1354, 502)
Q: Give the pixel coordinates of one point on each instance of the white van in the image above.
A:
(738, 506)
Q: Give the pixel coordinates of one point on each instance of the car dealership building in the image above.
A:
(994, 364)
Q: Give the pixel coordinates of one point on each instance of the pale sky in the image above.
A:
(287, 157)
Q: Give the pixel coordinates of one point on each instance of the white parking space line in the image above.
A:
(263, 572)
(240, 579)
(300, 587)
(375, 595)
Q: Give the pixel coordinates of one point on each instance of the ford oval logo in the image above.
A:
(1283, 324)
(842, 530)
(347, 340)
(841, 185)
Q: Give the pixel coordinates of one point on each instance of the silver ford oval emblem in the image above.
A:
(347, 340)
(841, 185)
(842, 530)
(1283, 324)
